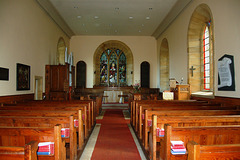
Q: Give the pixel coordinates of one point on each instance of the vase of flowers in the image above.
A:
(136, 87)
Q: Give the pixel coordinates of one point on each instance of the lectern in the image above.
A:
(182, 92)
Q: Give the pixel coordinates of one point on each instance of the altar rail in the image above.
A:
(98, 90)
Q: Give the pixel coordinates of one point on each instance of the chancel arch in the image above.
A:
(145, 74)
(81, 74)
(61, 47)
(164, 65)
(113, 64)
(201, 50)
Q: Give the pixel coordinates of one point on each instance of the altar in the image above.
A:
(113, 97)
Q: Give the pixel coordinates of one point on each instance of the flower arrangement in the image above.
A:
(136, 87)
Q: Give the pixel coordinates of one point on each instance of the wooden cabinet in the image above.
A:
(57, 82)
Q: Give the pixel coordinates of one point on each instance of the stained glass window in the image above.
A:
(113, 67)
(103, 69)
(122, 69)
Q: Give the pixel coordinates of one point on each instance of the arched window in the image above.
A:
(206, 58)
(201, 51)
(113, 67)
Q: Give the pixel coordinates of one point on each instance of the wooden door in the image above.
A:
(81, 74)
(145, 74)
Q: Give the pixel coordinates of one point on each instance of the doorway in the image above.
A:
(38, 88)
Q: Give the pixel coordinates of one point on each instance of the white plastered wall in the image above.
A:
(143, 49)
(28, 36)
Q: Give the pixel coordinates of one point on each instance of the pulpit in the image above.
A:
(57, 82)
(182, 92)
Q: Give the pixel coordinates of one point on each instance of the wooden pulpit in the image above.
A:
(182, 92)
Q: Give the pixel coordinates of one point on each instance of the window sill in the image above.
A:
(203, 94)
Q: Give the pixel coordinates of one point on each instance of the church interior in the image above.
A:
(119, 79)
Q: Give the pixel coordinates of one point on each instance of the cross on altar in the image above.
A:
(192, 70)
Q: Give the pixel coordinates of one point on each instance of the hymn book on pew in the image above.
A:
(177, 147)
(45, 148)
(65, 132)
(160, 132)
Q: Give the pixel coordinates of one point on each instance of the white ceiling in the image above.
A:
(113, 17)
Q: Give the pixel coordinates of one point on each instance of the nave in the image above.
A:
(113, 136)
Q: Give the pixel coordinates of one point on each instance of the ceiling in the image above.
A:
(113, 17)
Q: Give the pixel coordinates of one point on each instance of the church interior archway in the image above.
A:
(201, 17)
(111, 55)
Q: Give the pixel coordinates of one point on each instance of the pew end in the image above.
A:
(27, 152)
(205, 152)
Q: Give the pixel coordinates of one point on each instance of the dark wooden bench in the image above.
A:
(89, 103)
(26, 152)
(141, 108)
(51, 111)
(138, 103)
(57, 114)
(19, 136)
(149, 113)
(203, 135)
(185, 121)
(66, 122)
(206, 152)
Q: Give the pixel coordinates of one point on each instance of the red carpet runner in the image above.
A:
(115, 141)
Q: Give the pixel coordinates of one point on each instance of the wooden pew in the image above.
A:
(206, 152)
(89, 103)
(185, 121)
(204, 135)
(98, 105)
(66, 122)
(51, 111)
(77, 115)
(158, 103)
(26, 152)
(141, 108)
(19, 136)
(149, 113)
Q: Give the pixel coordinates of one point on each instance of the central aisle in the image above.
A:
(115, 141)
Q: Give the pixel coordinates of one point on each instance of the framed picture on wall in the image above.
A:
(23, 77)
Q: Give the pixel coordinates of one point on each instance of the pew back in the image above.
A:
(206, 152)
(19, 136)
(204, 135)
(65, 122)
(143, 132)
(27, 152)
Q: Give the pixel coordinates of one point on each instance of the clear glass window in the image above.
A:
(206, 58)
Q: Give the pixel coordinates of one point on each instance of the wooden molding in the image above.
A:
(12, 99)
